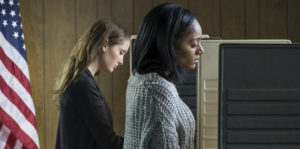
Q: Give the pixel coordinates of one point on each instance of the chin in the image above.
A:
(109, 70)
(191, 67)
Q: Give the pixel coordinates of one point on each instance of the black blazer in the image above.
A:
(85, 120)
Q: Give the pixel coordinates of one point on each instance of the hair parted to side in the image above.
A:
(87, 48)
(161, 31)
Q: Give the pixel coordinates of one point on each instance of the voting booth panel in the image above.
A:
(259, 96)
(207, 103)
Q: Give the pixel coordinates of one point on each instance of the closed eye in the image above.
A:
(122, 52)
(195, 46)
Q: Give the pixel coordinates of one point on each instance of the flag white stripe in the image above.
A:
(14, 55)
(18, 144)
(4, 133)
(15, 114)
(15, 85)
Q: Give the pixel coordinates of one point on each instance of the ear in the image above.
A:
(105, 46)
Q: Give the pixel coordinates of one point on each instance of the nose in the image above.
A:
(120, 62)
(200, 49)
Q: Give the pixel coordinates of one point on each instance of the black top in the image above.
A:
(85, 120)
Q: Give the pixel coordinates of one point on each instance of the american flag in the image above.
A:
(17, 114)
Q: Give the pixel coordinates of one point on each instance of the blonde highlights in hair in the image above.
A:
(86, 50)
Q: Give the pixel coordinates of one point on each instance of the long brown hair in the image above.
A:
(86, 49)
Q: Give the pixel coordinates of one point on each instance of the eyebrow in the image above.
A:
(122, 50)
(198, 38)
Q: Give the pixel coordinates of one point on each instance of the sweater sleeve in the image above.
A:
(161, 133)
(164, 137)
(91, 107)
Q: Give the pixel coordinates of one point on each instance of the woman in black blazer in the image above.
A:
(85, 120)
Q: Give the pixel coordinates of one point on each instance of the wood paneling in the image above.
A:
(104, 9)
(208, 15)
(294, 20)
(157, 2)
(51, 29)
(60, 38)
(141, 8)
(273, 19)
(252, 19)
(232, 20)
(179, 2)
(32, 10)
(86, 15)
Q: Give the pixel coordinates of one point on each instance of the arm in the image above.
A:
(92, 109)
(163, 137)
(161, 133)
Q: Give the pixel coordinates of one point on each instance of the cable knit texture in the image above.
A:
(156, 117)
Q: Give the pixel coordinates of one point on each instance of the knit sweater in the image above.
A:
(156, 117)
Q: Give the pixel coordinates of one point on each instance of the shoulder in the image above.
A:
(152, 87)
(152, 81)
(83, 82)
(84, 90)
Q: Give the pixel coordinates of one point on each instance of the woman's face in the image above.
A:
(113, 56)
(189, 50)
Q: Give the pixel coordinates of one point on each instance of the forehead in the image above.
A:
(124, 45)
(126, 42)
(194, 31)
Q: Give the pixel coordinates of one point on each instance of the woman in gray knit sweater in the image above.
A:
(169, 38)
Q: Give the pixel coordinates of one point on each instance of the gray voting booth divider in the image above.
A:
(259, 96)
(207, 92)
(200, 91)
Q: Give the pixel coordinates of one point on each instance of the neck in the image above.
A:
(93, 68)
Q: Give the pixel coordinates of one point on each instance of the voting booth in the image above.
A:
(207, 100)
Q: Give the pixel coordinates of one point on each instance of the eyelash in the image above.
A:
(195, 46)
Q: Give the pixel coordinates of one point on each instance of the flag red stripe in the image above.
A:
(16, 130)
(11, 141)
(17, 101)
(15, 70)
